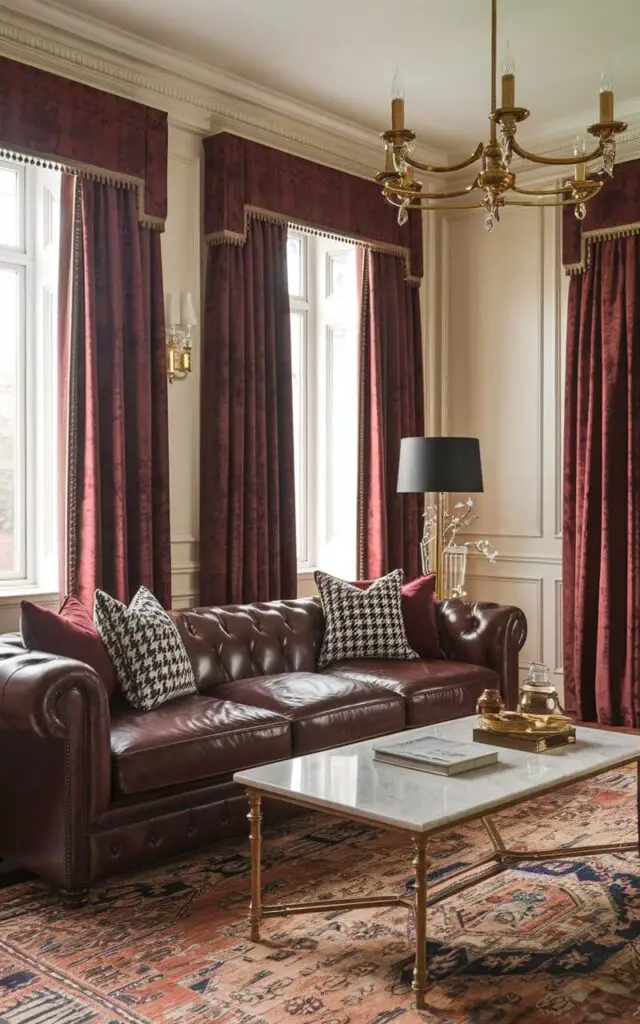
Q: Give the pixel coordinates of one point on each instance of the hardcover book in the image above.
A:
(430, 754)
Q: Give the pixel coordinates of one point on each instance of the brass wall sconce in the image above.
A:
(180, 317)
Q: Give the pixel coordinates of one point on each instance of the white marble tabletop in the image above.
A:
(348, 780)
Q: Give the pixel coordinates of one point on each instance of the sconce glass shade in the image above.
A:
(187, 312)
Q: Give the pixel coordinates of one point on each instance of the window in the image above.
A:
(324, 303)
(29, 218)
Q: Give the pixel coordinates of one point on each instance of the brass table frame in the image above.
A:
(500, 859)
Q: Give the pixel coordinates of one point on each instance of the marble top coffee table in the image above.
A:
(348, 783)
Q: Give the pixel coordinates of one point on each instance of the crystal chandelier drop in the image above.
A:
(495, 186)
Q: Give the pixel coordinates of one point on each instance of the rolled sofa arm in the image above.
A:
(483, 633)
(55, 762)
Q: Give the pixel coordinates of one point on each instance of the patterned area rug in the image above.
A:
(553, 942)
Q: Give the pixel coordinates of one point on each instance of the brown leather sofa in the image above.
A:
(87, 790)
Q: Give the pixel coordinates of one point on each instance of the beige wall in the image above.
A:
(501, 329)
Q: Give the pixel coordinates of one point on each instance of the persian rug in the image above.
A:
(540, 943)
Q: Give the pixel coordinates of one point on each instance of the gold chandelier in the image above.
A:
(495, 186)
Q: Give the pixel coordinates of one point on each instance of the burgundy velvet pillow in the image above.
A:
(70, 633)
(419, 614)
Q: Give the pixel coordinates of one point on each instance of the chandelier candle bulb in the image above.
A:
(508, 90)
(580, 170)
(606, 97)
(508, 78)
(397, 114)
(397, 103)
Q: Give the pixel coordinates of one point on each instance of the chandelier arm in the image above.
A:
(403, 194)
(450, 206)
(560, 202)
(432, 169)
(557, 161)
(546, 192)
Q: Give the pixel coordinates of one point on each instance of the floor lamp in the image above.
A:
(439, 466)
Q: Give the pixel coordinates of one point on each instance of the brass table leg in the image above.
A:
(255, 840)
(419, 982)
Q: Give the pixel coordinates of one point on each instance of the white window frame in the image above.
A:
(315, 486)
(36, 500)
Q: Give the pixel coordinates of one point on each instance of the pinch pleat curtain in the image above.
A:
(391, 407)
(247, 484)
(601, 528)
(113, 397)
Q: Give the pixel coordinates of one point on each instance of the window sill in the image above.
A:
(13, 594)
(306, 574)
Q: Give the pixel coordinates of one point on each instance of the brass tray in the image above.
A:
(513, 724)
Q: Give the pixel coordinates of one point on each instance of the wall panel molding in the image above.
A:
(523, 558)
(558, 597)
(476, 301)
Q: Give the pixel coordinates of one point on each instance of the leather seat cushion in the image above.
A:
(434, 691)
(192, 739)
(324, 711)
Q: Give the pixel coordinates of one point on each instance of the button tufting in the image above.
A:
(155, 842)
(191, 831)
(115, 849)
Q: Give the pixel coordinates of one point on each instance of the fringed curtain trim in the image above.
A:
(78, 170)
(254, 213)
(591, 238)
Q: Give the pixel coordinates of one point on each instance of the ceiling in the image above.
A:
(340, 55)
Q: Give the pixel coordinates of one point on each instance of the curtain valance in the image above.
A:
(245, 179)
(614, 213)
(92, 133)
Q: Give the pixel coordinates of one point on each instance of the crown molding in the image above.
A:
(197, 97)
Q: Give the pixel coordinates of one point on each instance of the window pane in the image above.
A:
(9, 207)
(298, 375)
(10, 434)
(335, 495)
(295, 266)
(341, 274)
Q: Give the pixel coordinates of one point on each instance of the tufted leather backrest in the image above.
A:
(240, 641)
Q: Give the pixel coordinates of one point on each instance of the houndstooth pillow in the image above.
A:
(362, 623)
(150, 659)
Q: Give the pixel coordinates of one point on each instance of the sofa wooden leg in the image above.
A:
(72, 899)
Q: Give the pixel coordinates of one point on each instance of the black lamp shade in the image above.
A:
(439, 464)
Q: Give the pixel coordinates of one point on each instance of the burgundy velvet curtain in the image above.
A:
(602, 488)
(113, 395)
(247, 485)
(391, 407)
